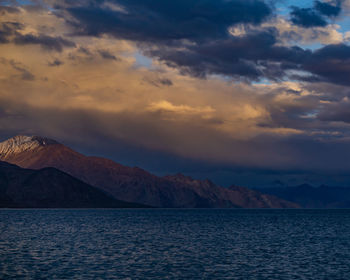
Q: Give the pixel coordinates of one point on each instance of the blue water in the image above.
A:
(175, 244)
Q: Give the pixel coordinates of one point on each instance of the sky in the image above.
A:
(245, 92)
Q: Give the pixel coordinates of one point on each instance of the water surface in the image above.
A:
(174, 244)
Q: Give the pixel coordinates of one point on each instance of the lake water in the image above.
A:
(174, 244)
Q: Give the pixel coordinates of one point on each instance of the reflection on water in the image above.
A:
(175, 244)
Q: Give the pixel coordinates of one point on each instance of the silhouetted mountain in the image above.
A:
(239, 196)
(313, 197)
(50, 188)
(131, 183)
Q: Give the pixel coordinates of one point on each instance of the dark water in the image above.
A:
(175, 244)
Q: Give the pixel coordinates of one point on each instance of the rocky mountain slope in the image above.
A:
(131, 183)
(50, 188)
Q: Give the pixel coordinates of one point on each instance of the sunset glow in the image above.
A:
(237, 91)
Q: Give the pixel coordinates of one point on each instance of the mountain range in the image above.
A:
(50, 188)
(309, 196)
(130, 184)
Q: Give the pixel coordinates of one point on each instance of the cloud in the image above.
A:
(316, 16)
(8, 9)
(158, 82)
(46, 42)
(146, 20)
(197, 38)
(331, 63)
(337, 111)
(288, 34)
(8, 29)
(20, 69)
(240, 58)
(307, 17)
(236, 56)
(107, 55)
(55, 62)
(146, 130)
(328, 9)
(166, 82)
(164, 106)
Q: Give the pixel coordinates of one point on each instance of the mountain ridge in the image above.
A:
(50, 188)
(136, 185)
(309, 196)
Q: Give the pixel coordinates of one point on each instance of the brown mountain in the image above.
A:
(131, 183)
(50, 188)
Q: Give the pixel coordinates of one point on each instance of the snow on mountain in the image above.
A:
(21, 143)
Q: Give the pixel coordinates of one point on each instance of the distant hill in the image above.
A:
(131, 184)
(313, 197)
(50, 188)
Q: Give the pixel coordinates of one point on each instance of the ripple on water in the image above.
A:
(175, 244)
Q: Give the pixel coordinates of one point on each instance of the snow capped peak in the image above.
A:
(22, 143)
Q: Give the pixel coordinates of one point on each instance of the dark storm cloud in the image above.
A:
(240, 57)
(307, 17)
(149, 20)
(328, 9)
(336, 112)
(193, 37)
(331, 64)
(46, 42)
(315, 16)
(236, 56)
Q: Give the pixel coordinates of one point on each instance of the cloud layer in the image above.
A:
(194, 36)
(212, 85)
